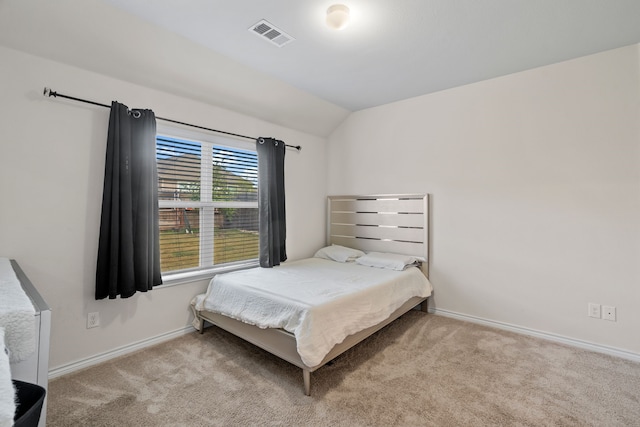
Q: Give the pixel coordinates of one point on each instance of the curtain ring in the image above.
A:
(136, 114)
(261, 140)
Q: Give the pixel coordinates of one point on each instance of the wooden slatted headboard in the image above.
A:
(396, 223)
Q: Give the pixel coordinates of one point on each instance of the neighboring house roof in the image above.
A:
(185, 168)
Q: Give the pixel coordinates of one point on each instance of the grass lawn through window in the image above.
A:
(181, 250)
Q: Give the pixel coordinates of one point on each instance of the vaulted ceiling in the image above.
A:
(391, 50)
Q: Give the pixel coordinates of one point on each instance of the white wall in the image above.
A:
(535, 183)
(51, 171)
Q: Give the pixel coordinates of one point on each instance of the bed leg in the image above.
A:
(424, 306)
(306, 375)
(201, 325)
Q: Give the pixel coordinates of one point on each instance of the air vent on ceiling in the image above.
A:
(270, 33)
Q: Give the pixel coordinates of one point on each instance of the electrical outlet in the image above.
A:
(93, 320)
(609, 313)
(594, 310)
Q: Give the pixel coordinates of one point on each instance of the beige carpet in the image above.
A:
(422, 370)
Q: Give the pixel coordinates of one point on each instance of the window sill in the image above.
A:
(174, 279)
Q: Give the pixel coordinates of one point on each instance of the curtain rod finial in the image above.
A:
(48, 92)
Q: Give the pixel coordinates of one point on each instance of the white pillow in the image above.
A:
(338, 253)
(387, 260)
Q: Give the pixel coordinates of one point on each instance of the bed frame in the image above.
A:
(382, 223)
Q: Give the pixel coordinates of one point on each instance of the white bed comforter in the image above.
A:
(320, 301)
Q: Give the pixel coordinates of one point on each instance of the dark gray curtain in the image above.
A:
(271, 206)
(128, 249)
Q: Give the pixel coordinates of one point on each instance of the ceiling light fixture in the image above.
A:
(338, 16)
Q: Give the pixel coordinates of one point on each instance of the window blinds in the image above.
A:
(208, 204)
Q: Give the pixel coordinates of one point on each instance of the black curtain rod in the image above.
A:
(48, 92)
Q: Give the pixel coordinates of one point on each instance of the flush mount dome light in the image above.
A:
(337, 16)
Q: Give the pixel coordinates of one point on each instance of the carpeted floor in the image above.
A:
(422, 370)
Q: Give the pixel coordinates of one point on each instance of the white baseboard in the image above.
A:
(120, 351)
(612, 351)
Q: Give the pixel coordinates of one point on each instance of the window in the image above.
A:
(208, 200)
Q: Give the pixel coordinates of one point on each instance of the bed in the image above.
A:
(307, 312)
